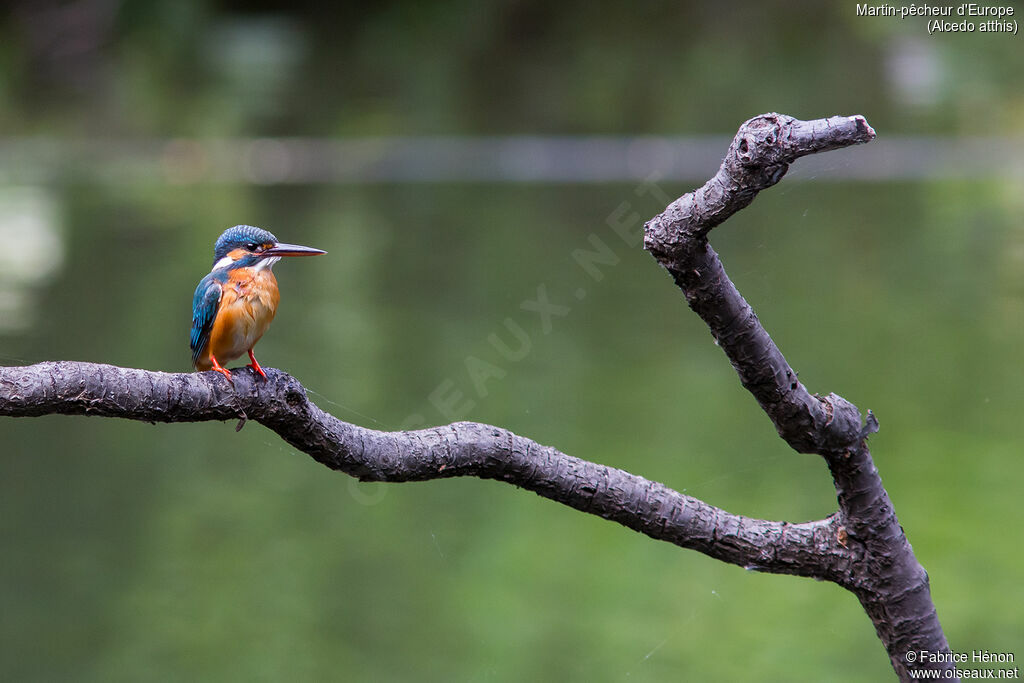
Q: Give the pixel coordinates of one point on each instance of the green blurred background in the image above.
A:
(134, 132)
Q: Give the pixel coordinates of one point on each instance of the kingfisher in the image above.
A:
(234, 304)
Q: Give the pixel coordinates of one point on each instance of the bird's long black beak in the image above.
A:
(281, 249)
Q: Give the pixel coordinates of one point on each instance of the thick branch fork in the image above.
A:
(460, 449)
(890, 583)
(861, 547)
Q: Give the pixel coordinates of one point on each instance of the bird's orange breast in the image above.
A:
(247, 306)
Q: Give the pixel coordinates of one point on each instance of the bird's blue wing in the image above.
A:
(204, 310)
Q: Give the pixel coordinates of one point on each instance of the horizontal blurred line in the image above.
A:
(460, 159)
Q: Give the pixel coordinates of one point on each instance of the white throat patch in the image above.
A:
(265, 264)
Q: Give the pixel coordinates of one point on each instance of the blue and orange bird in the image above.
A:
(234, 304)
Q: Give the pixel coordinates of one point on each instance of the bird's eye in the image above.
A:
(253, 246)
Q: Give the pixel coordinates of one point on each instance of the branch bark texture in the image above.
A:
(887, 578)
(861, 547)
(456, 450)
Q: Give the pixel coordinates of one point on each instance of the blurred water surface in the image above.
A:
(136, 552)
(141, 552)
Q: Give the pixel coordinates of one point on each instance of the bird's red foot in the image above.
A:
(223, 371)
(256, 366)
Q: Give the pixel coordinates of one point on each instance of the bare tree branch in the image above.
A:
(887, 578)
(861, 547)
(456, 450)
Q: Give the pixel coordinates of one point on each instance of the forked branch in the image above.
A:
(887, 578)
(861, 547)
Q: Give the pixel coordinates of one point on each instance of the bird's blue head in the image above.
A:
(246, 245)
(247, 238)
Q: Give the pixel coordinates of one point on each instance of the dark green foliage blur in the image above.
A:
(192, 67)
(134, 552)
